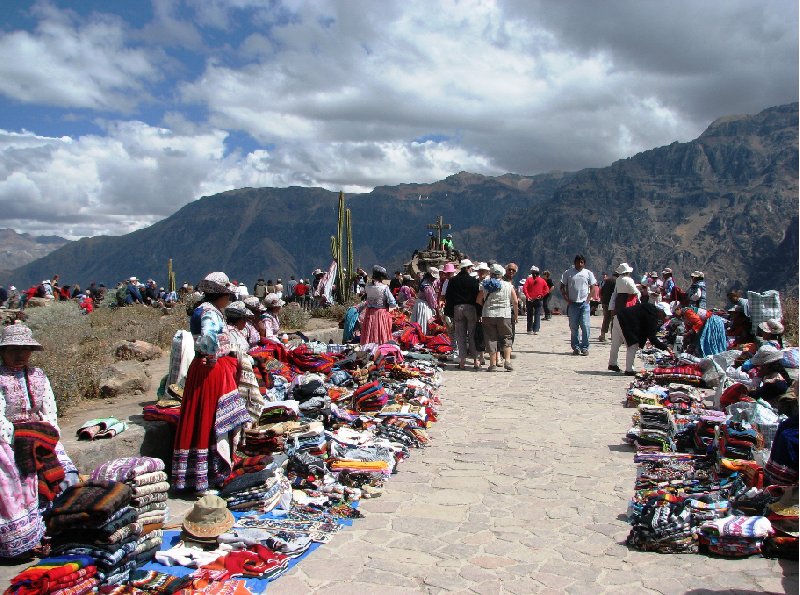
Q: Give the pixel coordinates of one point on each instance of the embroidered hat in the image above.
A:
(697, 275)
(317, 272)
(652, 274)
(236, 309)
(482, 266)
(254, 304)
(772, 326)
(215, 283)
(209, 517)
(378, 269)
(19, 335)
(449, 268)
(767, 354)
(623, 268)
(272, 300)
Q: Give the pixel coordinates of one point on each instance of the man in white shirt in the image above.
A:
(576, 284)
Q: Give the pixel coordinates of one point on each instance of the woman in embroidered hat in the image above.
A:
(212, 412)
(376, 327)
(697, 290)
(770, 332)
(36, 467)
(237, 315)
(272, 324)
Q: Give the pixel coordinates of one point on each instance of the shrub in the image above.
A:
(293, 317)
(789, 306)
(78, 347)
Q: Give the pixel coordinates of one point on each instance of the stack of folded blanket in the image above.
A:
(94, 519)
(735, 536)
(149, 487)
(255, 489)
(57, 575)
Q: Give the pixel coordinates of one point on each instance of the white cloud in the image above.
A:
(337, 93)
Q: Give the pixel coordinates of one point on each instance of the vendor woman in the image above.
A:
(28, 420)
(213, 413)
(377, 323)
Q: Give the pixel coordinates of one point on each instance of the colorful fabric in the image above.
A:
(127, 469)
(91, 503)
(210, 411)
(171, 415)
(34, 452)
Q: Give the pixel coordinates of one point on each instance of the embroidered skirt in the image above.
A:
(212, 412)
(377, 326)
(21, 525)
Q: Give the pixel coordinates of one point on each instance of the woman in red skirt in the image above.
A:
(212, 412)
(376, 326)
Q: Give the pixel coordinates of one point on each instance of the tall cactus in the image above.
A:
(343, 240)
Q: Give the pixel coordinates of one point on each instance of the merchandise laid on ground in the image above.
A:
(337, 423)
(711, 475)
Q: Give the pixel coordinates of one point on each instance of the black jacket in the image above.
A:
(640, 323)
(461, 289)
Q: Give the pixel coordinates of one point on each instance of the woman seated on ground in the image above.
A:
(213, 413)
(33, 465)
(425, 304)
(254, 327)
(771, 380)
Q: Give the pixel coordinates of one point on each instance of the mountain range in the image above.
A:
(725, 203)
(18, 249)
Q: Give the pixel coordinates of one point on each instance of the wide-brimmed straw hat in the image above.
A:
(237, 309)
(272, 300)
(209, 517)
(19, 335)
(215, 283)
(623, 268)
(772, 326)
(767, 354)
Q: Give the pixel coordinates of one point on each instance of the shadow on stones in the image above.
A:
(597, 373)
(727, 591)
(622, 517)
(620, 448)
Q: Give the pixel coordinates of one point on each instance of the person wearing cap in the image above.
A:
(447, 243)
(668, 284)
(635, 325)
(460, 304)
(376, 326)
(535, 289)
(425, 305)
(500, 309)
(576, 284)
(28, 415)
(213, 414)
(697, 290)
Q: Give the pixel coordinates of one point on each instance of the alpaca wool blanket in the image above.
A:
(34, 453)
(90, 504)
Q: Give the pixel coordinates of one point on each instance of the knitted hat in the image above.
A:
(214, 283)
(209, 517)
(19, 335)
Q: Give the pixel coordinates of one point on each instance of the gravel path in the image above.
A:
(524, 490)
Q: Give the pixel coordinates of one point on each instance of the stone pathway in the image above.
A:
(524, 490)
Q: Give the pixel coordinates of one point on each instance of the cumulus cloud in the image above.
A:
(360, 93)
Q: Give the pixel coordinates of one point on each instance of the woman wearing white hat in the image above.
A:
(28, 415)
(625, 295)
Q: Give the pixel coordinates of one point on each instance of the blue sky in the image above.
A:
(115, 114)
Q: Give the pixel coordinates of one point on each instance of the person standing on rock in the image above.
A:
(576, 285)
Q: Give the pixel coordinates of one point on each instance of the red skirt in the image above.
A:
(377, 326)
(211, 408)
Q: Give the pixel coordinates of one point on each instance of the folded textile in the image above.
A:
(154, 516)
(151, 507)
(107, 427)
(90, 503)
(738, 526)
(147, 478)
(249, 480)
(35, 453)
(105, 557)
(37, 578)
(150, 488)
(123, 533)
(170, 415)
(126, 469)
(85, 586)
(140, 501)
(151, 581)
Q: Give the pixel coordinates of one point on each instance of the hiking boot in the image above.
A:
(576, 351)
(601, 338)
(508, 367)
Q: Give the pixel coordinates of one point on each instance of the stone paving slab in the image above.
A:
(523, 490)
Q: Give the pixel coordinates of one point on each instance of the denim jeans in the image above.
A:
(578, 313)
(534, 315)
